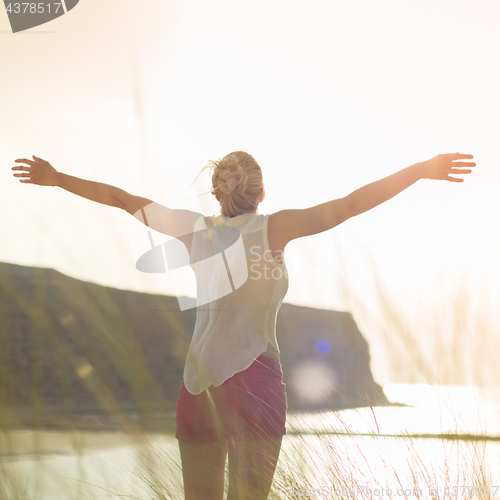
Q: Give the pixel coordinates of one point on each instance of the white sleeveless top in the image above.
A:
(240, 288)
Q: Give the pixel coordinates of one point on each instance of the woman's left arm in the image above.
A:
(41, 172)
(177, 223)
(441, 167)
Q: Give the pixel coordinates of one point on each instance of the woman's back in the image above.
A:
(240, 290)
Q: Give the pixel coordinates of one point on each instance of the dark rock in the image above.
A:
(72, 348)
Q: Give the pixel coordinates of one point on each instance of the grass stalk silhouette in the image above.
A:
(315, 462)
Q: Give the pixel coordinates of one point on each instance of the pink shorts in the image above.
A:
(250, 405)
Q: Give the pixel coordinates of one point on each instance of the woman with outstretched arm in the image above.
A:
(232, 401)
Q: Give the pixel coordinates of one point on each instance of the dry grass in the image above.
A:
(317, 465)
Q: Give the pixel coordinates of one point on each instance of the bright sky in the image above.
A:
(326, 95)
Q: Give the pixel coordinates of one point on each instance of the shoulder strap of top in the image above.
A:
(209, 234)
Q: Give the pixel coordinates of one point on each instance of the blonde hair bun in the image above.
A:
(236, 183)
(228, 175)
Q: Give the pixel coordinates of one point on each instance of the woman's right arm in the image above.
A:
(287, 225)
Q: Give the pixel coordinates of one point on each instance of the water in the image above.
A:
(365, 446)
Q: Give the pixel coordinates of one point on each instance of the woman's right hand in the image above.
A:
(39, 172)
(441, 167)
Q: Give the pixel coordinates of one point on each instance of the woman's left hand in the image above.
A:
(39, 172)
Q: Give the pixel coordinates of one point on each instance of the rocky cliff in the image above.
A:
(70, 349)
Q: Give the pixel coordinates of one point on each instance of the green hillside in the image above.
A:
(77, 354)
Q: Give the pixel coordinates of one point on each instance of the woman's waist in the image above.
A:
(271, 352)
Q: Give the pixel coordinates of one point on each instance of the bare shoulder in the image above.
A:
(277, 227)
(287, 225)
(178, 223)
